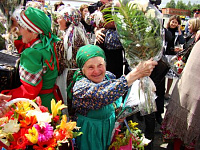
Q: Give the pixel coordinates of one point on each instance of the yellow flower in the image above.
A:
(11, 127)
(67, 125)
(55, 107)
(23, 107)
(33, 135)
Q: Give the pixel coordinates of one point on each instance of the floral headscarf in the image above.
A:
(72, 15)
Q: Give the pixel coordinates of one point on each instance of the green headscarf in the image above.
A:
(38, 22)
(84, 54)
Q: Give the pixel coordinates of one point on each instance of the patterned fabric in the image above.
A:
(95, 19)
(70, 14)
(88, 51)
(84, 53)
(112, 40)
(88, 95)
(31, 78)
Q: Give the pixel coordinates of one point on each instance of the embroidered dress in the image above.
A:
(95, 111)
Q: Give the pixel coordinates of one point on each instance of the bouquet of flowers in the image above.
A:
(139, 25)
(32, 126)
(129, 137)
(7, 7)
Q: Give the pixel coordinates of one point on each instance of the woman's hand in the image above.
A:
(141, 70)
(99, 35)
(3, 108)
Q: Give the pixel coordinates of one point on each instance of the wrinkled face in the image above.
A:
(27, 36)
(85, 11)
(94, 69)
(173, 23)
(62, 23)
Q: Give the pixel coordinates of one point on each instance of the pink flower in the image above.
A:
(45, 132)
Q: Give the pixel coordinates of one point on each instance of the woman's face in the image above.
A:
(94, 69)
(62, 23)
(173, 23)
(27, 36)
(190, 28)
(85, 11)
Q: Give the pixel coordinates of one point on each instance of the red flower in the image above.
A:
(59, 135)
(43, 109)
(28, 122)
(48, 145)
(56, 119)
(20, 141)
(38, 101)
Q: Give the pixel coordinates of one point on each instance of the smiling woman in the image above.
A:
(96, 93)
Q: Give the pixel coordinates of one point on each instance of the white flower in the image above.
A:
(148, 29)
(151, 13)
(137, 45)
(41, 117)
(141, 4)
(11, 127)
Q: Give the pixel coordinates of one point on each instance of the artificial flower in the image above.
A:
(11, 127)
(67, 125)
(35, 129)
(55, 107)
(28, 122)
(20, 141)
(41, 117)
(44, 132)
(48, 145)
(22, 108)
(3, 120)
(32, 135)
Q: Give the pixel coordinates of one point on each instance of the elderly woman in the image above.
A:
(74, 36)
(38, 68)
(96, 93)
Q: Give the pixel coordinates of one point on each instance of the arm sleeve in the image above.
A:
(24, 91)
(94, 96)
(31, 66)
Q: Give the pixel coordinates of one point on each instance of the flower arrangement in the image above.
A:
(130, 133)
(139, 25)
(25, 126)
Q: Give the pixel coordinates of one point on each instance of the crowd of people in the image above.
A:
(92, 78)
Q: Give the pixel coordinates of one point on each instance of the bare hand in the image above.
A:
(99, 35)
(3, 108)
(145, 68)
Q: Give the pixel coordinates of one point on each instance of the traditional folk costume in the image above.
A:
(74, 37)
(38, 67)
(95, 102)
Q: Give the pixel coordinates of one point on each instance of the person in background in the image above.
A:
(3, 108)
(195, 15)
(38, 67)
(74, 36)
(109, 41)
(174, 26)
(182, 120)
(57, 5)
(84, 10)
(96, 93)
